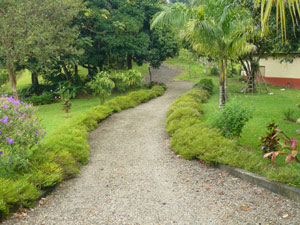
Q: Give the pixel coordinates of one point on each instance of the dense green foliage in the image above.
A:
(205, 84)
(232, 118)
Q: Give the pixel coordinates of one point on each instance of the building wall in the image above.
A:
(281, 74)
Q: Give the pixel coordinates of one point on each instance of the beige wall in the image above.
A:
(273, 68)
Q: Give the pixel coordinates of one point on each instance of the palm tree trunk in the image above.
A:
(225, 80)
(223, 97)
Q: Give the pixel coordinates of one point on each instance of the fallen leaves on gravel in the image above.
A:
(245, 208)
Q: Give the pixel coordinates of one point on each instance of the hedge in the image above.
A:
(192, 139)
(62, 154)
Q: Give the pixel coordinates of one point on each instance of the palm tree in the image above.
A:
(281, 6)
(215, 28)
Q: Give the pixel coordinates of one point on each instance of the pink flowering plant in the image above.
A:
(288, 145)
(19, 133)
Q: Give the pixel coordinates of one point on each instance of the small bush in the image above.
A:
(232, 118)
(214, 71)
(199, 95)
(205, 84)
(181, 113)
(289, 114)
(125, 80)
(15, 194)
(43, 99)
(102, 85)
(46, 175)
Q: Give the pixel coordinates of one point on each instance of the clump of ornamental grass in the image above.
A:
(20, 132)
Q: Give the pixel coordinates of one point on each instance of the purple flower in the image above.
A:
(5, 95)
(44, 132)
(16, 103)
(10, 141)
(26, 106)
(20, 115)
(5, 106)
(0, 132)
(36, 132)
(1, 152)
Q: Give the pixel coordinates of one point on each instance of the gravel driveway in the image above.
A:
(134, 178)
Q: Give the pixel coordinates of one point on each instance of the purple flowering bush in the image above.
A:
(19, 133)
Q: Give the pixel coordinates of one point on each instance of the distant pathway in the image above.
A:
(134, 178)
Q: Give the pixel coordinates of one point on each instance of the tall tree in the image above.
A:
(214, 28)
(36, 30)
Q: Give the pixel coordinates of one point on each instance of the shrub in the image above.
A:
(127, 79)
(199, 95)
(232, 118)
(45, 175)
(15, 194)
(19, 132)
(198, 141)
(45, 98)
(205, 84)
(155, 83)
(72, 139)
(214, 71)
(289, 114)
(102, 85)
(181, 113)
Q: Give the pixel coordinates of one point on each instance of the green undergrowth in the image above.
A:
(193, 139)
(60, 156)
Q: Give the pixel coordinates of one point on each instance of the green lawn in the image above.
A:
(53, 116)
(265, 107)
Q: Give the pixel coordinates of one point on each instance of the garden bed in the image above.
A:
(194, 139)
(60, 156)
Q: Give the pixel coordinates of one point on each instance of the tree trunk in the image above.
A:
(35, 81)
(150, 74)
(66, 71)
(223, 83)
(77, 78)
(226, 81)
(129, 62)
(13, 79)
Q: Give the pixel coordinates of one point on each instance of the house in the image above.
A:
(283, 74)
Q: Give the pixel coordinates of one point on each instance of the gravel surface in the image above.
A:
(134, 178)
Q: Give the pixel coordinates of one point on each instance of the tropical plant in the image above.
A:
(102, 85)
(288, 145)
(270, 142)
(126, 79)
(281, 7)
(215, 28)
